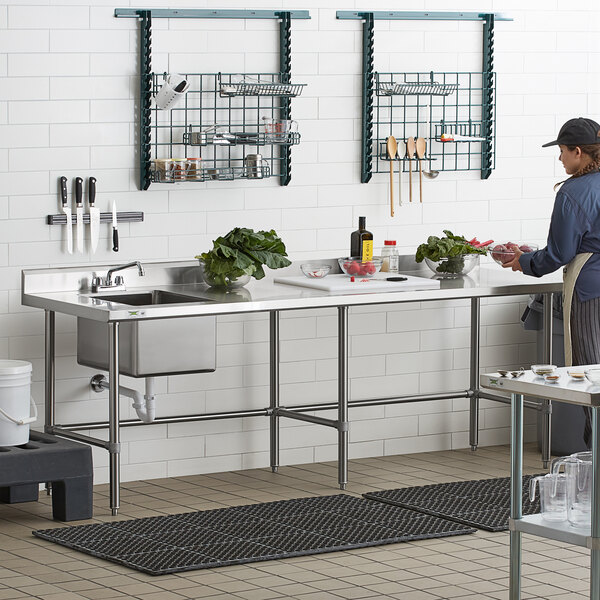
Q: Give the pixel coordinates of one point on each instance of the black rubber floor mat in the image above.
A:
(242, 534)
(483, 503)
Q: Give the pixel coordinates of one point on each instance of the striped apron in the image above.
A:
(582, 328)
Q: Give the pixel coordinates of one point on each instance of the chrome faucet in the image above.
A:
(100, 284)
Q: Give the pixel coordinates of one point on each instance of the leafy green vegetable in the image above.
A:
(244, 252)
(451, 247)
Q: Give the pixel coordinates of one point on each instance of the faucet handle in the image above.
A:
(119, 280)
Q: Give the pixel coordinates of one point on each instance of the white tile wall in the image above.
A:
(68, 104)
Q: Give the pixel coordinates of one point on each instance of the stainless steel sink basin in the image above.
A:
(150, 297)
(153, 347)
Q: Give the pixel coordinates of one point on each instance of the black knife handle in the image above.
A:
(92, 190)
(78, 191)
(115, 239)
(63, 190)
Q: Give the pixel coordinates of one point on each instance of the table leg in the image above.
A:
(274, 388)
(474, 374)
(50, 376)
(595, 552)
(343, 424)
(114, 435)
(547, 404)
(516, 492)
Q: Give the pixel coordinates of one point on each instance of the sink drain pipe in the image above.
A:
(142, 403)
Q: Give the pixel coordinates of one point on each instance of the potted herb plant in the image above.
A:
(241, 254)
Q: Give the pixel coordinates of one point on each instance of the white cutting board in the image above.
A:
(342, 283)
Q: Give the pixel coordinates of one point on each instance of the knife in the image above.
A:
(115, 227)
(79, 211)
(94, 214)
(67, 210)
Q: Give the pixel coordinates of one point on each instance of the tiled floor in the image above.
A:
(464, 567)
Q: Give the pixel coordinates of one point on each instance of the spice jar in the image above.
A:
(389, 254)
(178, 169)
(193, 171)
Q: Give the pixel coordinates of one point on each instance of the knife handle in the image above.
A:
(92, 190)
(78, 190)
(63, 190)
(115, 239)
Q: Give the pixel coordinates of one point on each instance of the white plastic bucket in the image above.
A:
(15, 396)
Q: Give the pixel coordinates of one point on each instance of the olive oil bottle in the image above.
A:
(361, 241)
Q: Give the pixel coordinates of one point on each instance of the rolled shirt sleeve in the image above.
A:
(567, 227)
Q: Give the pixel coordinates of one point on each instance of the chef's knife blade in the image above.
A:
(115, 227)
(67, 210)
(79, 211)
(94, 214)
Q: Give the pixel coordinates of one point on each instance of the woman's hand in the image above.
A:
(514, 264)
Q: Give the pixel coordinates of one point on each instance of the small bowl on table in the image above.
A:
(505, 253)
(576, 374)
(552, 377)
(363, 269)
(593, 376)
(543, 370)
(314, 270)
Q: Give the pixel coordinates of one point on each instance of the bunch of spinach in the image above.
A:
(451, 247)
(243, 252)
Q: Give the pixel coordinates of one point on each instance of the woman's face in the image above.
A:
(571, 159)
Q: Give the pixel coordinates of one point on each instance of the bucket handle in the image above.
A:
(26, 420)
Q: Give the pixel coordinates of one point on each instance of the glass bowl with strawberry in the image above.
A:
(354, 266)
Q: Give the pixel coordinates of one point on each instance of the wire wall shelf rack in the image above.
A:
(448, 109)
(218, 135)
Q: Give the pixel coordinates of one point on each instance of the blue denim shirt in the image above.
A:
(574, 228)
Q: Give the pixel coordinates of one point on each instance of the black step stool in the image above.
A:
(67, 464)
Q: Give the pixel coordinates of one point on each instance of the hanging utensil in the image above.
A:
(67, 210)
(400, 153)
(410, 152)
(115, 227)
(79, 212)
(421, 147)
(392, 148)
(94, 214)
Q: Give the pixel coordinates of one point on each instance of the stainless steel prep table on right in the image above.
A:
(572, 392)
(63, 290)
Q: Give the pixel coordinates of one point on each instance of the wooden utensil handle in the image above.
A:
(420, 182)
(409, 180)
(391, 187)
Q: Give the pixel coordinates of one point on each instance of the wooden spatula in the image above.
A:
(392, 148)
(421, 147)
(410, 152)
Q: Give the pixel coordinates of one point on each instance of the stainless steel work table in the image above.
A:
(573, 392)
(60, 290)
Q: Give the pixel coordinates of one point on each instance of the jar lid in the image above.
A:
(389, 243)
(14, 367)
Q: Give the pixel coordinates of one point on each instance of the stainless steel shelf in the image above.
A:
(560, 531)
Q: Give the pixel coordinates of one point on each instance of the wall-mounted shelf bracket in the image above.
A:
(368, 75)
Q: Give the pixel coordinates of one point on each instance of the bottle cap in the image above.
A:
(389, 243)
(362, 222)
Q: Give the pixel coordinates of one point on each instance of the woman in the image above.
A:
(574, 242)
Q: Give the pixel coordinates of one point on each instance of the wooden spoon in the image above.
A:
(421, 147)
(392, 148)
(410, 152)
(400, 153)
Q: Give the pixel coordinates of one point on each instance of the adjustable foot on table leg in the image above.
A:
(114, 511)
(342, 486)
(275, 469)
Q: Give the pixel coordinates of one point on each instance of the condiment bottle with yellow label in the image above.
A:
(361, 241)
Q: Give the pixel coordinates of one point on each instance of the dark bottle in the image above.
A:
(361, 241)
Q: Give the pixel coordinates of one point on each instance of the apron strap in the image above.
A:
(570, 275)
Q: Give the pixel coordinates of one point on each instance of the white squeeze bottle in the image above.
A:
(389, 253)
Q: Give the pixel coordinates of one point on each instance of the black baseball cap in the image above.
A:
(577, 132)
